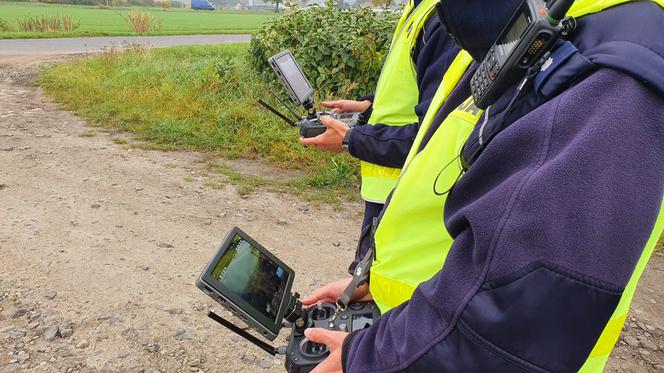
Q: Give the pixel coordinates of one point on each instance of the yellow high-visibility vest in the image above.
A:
(396, 96)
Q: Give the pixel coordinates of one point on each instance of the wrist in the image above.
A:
(346, 138)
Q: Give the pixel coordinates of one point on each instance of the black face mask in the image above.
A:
(476, 24)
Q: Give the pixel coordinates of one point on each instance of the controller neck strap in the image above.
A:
(361, 273)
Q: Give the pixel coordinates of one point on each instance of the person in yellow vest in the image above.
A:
(420, 53)
(542, 219)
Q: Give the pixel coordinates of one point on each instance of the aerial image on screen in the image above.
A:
(252, 276)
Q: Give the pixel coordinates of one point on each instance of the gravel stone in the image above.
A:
(82, 344)
(17, 312)
(195, 363)
(165, 245)
(282, 222)
(10, 368)
(16, 334)
(153, 347)
(649, 345)
(178, 332)
(22, 356)
(265, 364)
(631, 341)
(50, 333)
(51, 295)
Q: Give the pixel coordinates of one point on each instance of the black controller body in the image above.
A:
(302, 355)
(312, 127)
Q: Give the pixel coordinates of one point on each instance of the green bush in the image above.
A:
(340, 51)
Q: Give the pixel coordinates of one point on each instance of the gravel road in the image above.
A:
(100, 245)
(96, 44)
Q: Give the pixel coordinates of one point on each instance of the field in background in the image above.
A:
(111, 22)
(198, 98)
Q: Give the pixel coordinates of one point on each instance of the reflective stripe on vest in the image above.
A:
(397, 95)
(397, 270)
(408, 254)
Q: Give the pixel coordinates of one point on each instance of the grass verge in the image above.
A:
(111, 22)
(198, 98)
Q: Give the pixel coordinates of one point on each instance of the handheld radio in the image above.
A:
(531, 33)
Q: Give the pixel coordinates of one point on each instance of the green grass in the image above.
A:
(198, 98)
(110, 22)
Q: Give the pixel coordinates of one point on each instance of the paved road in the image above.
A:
(90, 45)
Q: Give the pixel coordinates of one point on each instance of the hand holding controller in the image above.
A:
(303, 355)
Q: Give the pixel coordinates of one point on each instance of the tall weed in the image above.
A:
(46, 23)
(142, 22)
(5, 26)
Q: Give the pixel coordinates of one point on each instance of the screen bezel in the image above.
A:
(272, 325)
(273, 61)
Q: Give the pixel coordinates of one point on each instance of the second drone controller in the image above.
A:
(303, 355)
(312, 127)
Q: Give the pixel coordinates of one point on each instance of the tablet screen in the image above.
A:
(296, 79)
(252, 276)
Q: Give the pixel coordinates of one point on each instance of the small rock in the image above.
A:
(123, 354)
(16, 334)
(10, 368)
(51, 295)
(50, 333)
(282, 222)
(175, 311)
(221, 215)
(336, 243)
(17, 312)
(83, 344)
(65, 351)
(7, 149)
(649, 345)
(643, 352)
(65, 330)
(303, 208)
(235, 338)
(149, 370)
(153, 347)
(32, 315)
(631, 341)
(3, 186)
(178, 332)
(195, 363)
(265, 364)
(179, 352)
(33, 325)
(146, 268)
(95, 205)
(24, 148)
(659, 368)
(22, 356)
(208, 222)
(165, 245)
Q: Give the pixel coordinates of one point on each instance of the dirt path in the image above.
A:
(100, 246)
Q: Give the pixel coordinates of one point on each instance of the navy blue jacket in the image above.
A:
(389, 145)
(549, 222)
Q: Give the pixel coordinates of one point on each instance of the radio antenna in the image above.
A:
(277, 113)
(557, 10)
(262, 345)
(283, 104)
